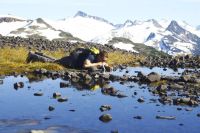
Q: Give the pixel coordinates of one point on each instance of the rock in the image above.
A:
(18, 85)
(175, 86)
(161, 88)
(72, 110)
(165, 100)
(166, 117)
(1, 82)
(120, 95)
(188, 109)
(62, 99)
(140, 100)
(153, 77)
(105, 107)
(110, 91)
(198, 115)
(181, 124)
(106, 76)
(185, 78)
(185, 100)
(63, 85)
(114, 77)
(105, 118)
(114, 131)
(137, 117)
(56, 95)
(179, 108)
(51, 108)
(38, 94)
(140, 75)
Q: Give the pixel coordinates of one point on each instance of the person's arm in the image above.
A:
(87, 64)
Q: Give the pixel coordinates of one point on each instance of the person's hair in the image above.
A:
(103, 54)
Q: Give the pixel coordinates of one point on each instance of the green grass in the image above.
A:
(14, 60)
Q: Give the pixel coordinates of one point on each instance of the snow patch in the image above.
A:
(125, 46)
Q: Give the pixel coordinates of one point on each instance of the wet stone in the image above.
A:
(153, 77)
(63, 85)
(140, 100)
(120, 95)
(1, 82)
(72, 110)
(198, 115)
(56, 95)
(179, 108)
(38, 94)
(161, 88)
(105, 107)
(62, 99)
(105, 118)
(18, 85)
(51, 108)
(181, 124)
(188, 109)
(166, 117)
(138, 117)
(114, 131)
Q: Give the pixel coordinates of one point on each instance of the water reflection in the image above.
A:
(22, 111)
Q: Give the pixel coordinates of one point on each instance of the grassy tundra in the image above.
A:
(14, 60)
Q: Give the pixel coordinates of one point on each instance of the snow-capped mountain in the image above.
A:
(172, 37)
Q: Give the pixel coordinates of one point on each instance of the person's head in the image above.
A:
(102, 56)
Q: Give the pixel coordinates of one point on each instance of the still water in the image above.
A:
(21, 111)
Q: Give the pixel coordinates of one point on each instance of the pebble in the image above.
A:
(51, 108)
(56, 95)
(140, 100)
(166, 117)
(198, 115)
(188, 109)
(38, 94)
(138, 117)
(62, 99)
(105, 107)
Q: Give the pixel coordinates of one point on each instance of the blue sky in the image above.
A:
(116, 11)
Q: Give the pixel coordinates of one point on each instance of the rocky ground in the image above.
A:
(44, 44)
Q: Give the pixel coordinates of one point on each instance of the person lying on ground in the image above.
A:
(81, 58)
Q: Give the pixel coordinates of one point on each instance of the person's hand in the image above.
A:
(104, 64)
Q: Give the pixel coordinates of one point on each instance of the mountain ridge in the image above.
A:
(172, 37)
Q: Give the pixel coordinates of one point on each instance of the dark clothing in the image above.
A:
(75, 60)
(91, 58)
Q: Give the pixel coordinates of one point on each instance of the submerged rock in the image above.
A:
(105, 107)
(63, 85)
(105, 118)
(1, 82)
(38, 94)
(51, 108)
(140, 100)
(166, 117)
(138, 117)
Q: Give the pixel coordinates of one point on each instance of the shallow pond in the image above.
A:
(21, 111)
